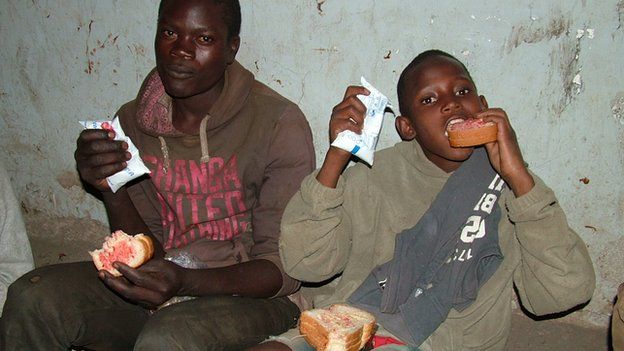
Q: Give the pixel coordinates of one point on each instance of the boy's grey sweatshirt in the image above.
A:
(337, 236)
(441, 262)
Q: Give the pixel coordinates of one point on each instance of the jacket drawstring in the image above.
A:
(203, 139)
(165, 152)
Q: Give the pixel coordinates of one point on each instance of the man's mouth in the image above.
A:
(178, 71)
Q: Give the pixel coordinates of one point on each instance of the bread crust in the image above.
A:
(473, 136)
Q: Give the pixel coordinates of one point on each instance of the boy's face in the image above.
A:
(192, 46)
(440, 90)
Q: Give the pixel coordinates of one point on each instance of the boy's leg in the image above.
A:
(290, 340)
(55, 307)
(217, 323)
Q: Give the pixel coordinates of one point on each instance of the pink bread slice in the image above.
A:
(119, 246)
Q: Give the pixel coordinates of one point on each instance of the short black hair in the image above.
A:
(231, 15)
(402, 85)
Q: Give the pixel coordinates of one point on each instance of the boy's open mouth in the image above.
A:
(451, 122)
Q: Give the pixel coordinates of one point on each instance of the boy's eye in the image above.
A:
(463, 91)
(168, 33)
(428, 100)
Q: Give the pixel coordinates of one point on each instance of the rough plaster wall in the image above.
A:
(554, 66)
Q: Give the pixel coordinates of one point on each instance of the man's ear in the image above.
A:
(233, 45)
(405, 128)
(483, 102)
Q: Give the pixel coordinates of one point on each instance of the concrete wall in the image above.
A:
(554, 66)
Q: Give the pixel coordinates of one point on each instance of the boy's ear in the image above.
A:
(405, 128)
(233, 45)
(483, 102)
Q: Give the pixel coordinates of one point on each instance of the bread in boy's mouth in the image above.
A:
(470, 132)
(338, 327)
(119, 246)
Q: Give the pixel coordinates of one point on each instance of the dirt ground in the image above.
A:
(58, 240)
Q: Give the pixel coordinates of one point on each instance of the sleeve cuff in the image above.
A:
(313, 192)
(530, 206)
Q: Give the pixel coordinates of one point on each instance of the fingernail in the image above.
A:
(111, 135)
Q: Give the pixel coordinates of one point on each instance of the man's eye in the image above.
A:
(168, 33)
(428, 100)
(206, 39)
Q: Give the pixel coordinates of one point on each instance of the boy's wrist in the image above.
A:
(335, 162)
(521, 183)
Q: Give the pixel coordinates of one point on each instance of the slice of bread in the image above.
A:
(471, 132)
(337, 328)
(121, 247)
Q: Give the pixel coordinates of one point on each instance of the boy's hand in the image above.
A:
(150, 285)
(504, 153)
(99, 156)
(347, 115)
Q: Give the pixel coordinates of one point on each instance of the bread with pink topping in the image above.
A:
(119, 246)
(471, 132)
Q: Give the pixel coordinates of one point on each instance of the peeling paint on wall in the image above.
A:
(68, 179)
(620, 12)
(617, 107)
(319, 6)
(531, 33)
(565, 62)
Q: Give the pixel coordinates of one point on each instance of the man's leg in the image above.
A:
(55, 307)
(217, 323)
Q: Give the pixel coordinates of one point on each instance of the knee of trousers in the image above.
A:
(30, 296)
(163, 333)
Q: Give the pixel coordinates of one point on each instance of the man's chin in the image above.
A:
(177, 93)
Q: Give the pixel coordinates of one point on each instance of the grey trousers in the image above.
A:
(62, 306)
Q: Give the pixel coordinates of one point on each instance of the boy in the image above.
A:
(342, 224)
(225, 154)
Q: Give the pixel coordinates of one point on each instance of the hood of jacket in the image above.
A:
(154, 112)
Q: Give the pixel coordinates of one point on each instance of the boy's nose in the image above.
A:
(451, 106)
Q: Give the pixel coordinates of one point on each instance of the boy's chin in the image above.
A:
(460, 154)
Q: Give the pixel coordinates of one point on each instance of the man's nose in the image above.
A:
(183, 48)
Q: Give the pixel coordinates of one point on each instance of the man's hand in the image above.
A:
(150, 285)
(505, 154)
(99, 156)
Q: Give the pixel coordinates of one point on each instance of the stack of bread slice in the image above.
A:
(338, 327)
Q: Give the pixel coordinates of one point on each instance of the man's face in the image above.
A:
(443, 91)
(192, 47)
